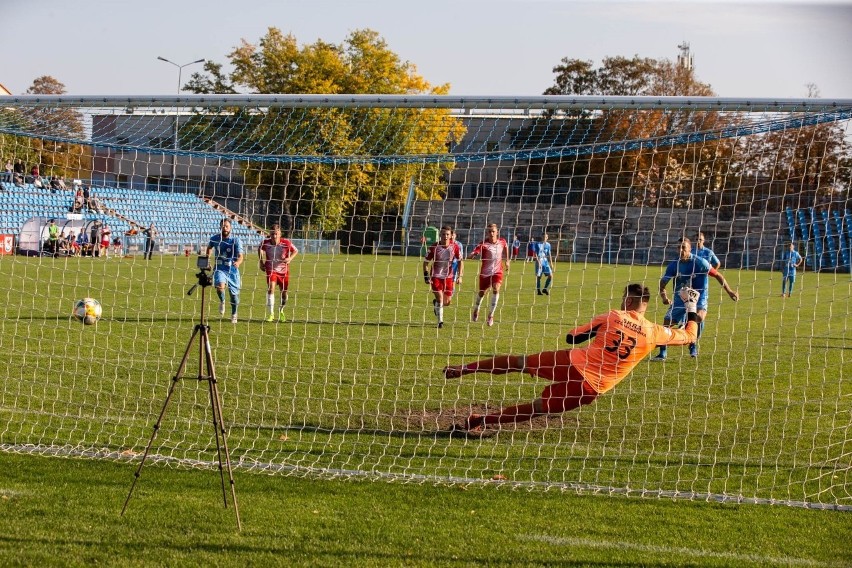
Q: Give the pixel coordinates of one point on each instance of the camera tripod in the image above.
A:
(205, 357)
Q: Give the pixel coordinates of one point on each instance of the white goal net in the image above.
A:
(113, 199)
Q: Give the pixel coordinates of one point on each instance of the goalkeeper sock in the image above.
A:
(494, 298)
(700, 328)
(663, 351)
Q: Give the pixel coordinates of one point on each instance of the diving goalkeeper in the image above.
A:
(620, 339)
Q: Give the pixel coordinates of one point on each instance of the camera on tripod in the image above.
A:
(204, 279)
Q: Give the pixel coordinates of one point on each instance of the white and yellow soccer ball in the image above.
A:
(87, 310)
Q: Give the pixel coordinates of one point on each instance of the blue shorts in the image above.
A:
(677, 311)
(229, 275)
(543, 268)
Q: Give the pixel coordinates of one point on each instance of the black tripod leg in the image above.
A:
(219, 427)
(172, 386)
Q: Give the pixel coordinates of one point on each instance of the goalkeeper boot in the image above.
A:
(475, 423)
(693, 350)
(452, 371)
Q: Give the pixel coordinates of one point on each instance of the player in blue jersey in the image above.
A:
(703, 252)
(689, 271)
(229, 256)
(457, 262)
(791, 261)
(543, 266)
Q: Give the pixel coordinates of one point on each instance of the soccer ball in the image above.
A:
(87, 310)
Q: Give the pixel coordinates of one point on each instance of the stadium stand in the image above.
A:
(184, 221)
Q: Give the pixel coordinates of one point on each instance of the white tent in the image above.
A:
(34, 232)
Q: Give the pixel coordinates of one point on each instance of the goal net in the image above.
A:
(346, 380)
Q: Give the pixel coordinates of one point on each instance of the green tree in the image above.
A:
(638, 176)
(331, 165)
(49, 134)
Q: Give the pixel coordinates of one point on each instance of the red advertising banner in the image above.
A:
(7, 244)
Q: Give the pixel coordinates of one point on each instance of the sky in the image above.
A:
(481, 47)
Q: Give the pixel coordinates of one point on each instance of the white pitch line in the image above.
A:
(691, 552)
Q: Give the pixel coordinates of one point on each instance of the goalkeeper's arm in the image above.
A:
(575, 338)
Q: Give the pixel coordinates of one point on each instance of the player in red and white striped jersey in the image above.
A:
(441, 278)
(275, 254)
(493, 251)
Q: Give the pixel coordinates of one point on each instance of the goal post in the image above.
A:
(349, 383)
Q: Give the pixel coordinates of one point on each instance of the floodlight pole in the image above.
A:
(177, 113)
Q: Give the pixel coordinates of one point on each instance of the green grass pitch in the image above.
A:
(350, 385)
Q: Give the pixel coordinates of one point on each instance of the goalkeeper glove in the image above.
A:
(425, 277)
(689, 296)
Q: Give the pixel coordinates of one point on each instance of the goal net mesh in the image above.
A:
(349, 383)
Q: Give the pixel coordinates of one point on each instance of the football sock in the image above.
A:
(440, 313)
(235, 301)
(494, 298)
(547, 282)
(221, 294)
(538, 283)
(700, 328)
(477, 302)
(270, 302)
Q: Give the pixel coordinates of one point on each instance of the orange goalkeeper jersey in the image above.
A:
(621, 340)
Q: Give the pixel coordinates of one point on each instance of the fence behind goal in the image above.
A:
(350, 383)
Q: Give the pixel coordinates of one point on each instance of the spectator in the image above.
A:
(37, 181)
(63, 244)
(73, 244)
(9, 172)
(150, 235)
(19, 168)
(95, 238)
(34, 172)
(53, 237)
(77, 205)
(18, 180)
(83, 242)
(117, 246)
(106, 233)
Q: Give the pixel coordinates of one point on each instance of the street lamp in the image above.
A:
(180, 72)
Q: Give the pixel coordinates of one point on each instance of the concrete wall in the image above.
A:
(611, 234)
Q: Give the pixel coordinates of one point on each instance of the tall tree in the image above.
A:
(50, 134)
(641, 175)
(329, 190)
